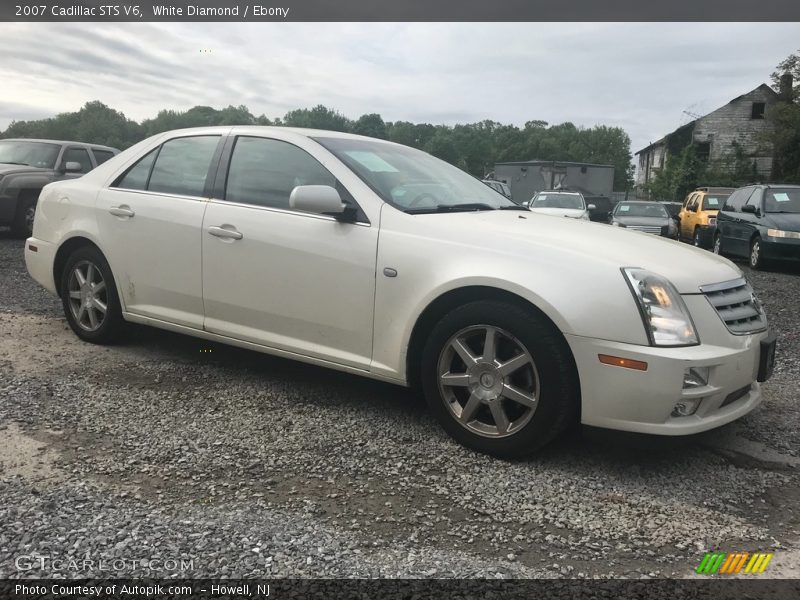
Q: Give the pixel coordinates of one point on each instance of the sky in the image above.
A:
(638, 76)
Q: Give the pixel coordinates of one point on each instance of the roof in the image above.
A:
(61, 142)
(643, 202)
(763, 87)
(532, 163)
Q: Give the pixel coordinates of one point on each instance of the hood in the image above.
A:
(7, 169)
(596, 245)
(576, 213)
(650, 221)
(783, 221)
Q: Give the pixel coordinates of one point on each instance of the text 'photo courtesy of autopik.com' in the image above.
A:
(383, 299)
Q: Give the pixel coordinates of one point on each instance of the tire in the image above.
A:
(756, 258)
(22, 226)
(717, 248)
(473, 404)
(82, 302)
(696, 238)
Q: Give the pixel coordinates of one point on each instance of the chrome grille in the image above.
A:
(737, 306)
(645, 228)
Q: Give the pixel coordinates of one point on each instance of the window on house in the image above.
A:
(758, 110)
(703, 151)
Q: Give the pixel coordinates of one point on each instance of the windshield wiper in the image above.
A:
(11, 162)
(443, 208)
(514, 207)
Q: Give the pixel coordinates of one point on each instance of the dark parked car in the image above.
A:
(673, 208)
(650, 217)
(603, 207)
(26, 166)
(760, 222)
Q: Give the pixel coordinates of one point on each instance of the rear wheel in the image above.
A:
(23, 219)
(499, 379)
(89, 296)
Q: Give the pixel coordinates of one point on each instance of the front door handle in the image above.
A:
(226, 231)
(123, 210)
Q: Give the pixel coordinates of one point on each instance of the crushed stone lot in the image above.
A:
(192, 459)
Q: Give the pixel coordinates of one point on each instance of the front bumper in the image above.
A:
(780, 248)
(642, 401)
(40, 262)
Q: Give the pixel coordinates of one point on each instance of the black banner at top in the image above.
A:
(398, 10)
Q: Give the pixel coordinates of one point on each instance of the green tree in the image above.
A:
(791, 64)
(371, 125)
(319, 117)
(94, 122)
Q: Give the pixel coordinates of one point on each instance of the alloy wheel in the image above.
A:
(488, 380)
(697, 238)
(88, 296)
(718, 244)
(755, 254)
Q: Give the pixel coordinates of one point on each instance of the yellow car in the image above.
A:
(698, 216)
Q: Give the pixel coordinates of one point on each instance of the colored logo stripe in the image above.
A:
(722, 562)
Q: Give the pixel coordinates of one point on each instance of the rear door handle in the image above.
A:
(226, 232)
(123, 210)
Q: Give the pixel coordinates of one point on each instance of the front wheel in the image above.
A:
(717, 244)
(499, 379)
(756, 255)
(22, 227)
(89, 296)
(696, 238)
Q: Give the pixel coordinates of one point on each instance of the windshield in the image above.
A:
(632, 209)
(715, 202)
(414, 181)
(558, 200)
(34, 154)
(782, 200)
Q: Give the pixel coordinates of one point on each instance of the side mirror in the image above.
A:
(72, 167)
(591, 207)
(749, 208)
(320, 199)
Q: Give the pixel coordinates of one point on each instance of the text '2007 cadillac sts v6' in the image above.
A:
(378, 259)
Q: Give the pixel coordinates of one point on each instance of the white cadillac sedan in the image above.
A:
(380, 260)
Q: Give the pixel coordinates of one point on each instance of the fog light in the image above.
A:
(686, 408)
(695, 377)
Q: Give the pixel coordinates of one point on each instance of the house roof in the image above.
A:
(537, 162)
(763, 87)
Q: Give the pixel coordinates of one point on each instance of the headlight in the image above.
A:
(779, 233)
(665, 316)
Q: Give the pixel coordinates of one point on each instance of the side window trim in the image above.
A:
(221, 180)
(152, 166)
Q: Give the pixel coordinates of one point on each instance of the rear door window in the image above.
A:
(136, 177)
(182, 165)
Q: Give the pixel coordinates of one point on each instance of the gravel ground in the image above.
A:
(168, 448)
